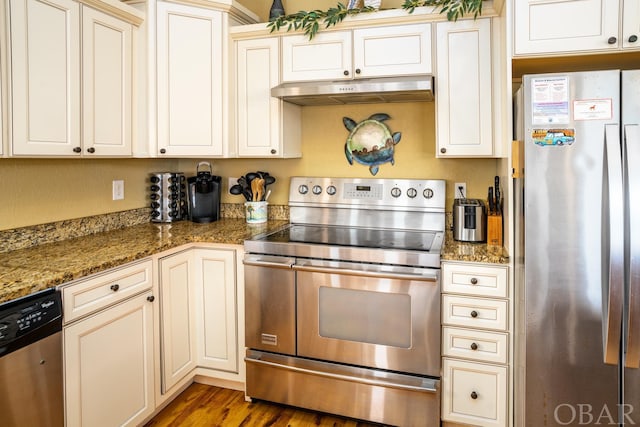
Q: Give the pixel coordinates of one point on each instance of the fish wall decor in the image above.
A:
(370, 142)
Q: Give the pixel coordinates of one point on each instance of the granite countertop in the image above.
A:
(29, 270)
(26, 271)
(453, 250)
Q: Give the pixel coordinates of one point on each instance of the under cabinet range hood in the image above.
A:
(358, 91)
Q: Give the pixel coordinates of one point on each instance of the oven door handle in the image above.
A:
(425, 275)
(270, 261)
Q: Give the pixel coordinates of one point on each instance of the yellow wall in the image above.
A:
(36, 191)
(324, 135)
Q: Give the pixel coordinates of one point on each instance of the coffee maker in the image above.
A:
(204, 195)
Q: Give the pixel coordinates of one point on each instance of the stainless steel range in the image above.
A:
(343, 304)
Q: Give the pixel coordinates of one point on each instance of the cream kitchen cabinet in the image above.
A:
(570, 26)
(216, 314)
(178, 348)
(190, 81)
(199, 315)
(360, 53)
(464, 89)
(109, 348)
(260, 119)
(475, 344)
(67, 70)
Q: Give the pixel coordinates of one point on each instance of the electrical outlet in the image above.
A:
(460, 190)
(232, 182)
(118, 189)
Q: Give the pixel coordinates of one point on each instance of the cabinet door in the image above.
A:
(631, 24)
(543, 26)
(464, 118)
(45, 77)
(189, 43)
(106, 79)
(258, 113)
(179, 343)
(326, 57)
(474, 393)
(392, 51)
(215, 282)
(109, 374)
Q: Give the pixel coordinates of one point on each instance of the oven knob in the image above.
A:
(396, 192)
(427, 193)
(331, 190)
(412, 192)
(316, 189)
(303, 189)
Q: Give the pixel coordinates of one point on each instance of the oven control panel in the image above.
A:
(411, 193)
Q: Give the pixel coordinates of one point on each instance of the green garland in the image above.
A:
(309, 21)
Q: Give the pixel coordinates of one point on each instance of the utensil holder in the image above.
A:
(255, 212)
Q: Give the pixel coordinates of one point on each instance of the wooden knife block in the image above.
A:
(494, 230)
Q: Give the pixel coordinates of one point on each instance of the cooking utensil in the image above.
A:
(236, 189)
(260, 188)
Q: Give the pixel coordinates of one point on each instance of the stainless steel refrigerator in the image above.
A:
(578, 250)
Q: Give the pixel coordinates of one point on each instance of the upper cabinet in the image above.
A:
(190, 80)
(70, 75)
(359, 53)
(572, 26)
(464, 89)
(260, 119)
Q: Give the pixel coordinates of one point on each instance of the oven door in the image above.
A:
(385, 317)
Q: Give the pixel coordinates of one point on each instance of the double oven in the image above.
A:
(342, 305)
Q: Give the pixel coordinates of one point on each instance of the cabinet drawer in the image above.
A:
(474, 393)
(474, 312)
(473, 344)
(84, 297)
(474, 280)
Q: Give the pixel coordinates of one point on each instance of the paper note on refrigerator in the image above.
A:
(550, 100)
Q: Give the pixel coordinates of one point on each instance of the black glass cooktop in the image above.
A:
(355, 237)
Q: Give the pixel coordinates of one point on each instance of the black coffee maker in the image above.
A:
(204, 195)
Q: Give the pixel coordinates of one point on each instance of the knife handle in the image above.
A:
(491, 201)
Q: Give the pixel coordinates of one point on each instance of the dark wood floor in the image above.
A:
(203, 405)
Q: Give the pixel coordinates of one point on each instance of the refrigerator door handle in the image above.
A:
(632, 167)
(613, 246)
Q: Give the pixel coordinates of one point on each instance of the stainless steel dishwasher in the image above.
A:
(31, 361)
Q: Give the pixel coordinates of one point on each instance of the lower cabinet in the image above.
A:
(135, 335)
(199, 316)
(474, 393)
(177, 306)
(475, 344)
(108, 365)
